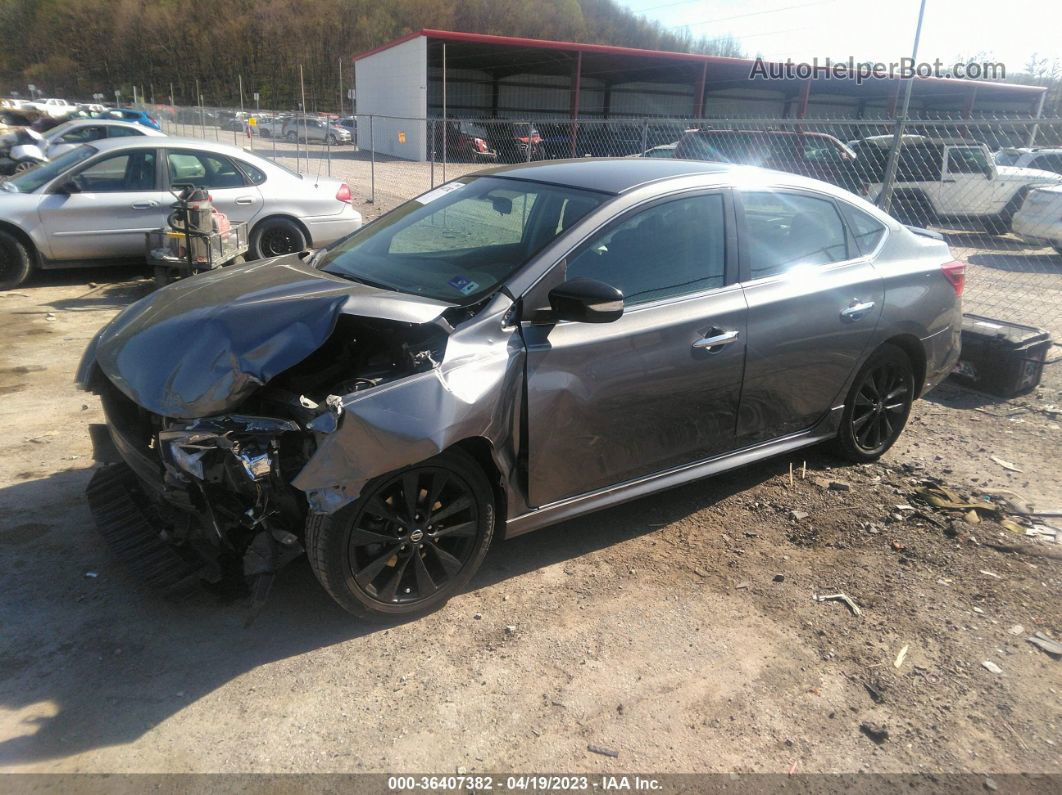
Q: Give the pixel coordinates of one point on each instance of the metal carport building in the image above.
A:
(432, 73)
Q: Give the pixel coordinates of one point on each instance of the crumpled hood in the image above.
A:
(201, 346)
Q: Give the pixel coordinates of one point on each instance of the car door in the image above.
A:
(967, 186)
(813, 302)
(230, 189)
(608, 403)
(116, 202)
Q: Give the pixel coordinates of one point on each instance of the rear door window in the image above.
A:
(122, 132)
(788, 230)
(203, 169)
(866, 229)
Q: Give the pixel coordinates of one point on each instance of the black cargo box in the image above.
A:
(999, 357)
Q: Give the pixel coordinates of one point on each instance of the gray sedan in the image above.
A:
(93, 204)
(510, 350)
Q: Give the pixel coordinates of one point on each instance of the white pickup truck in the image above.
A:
(55, 107)
(942, 180)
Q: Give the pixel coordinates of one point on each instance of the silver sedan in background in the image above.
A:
(512, 349)
(93, 204)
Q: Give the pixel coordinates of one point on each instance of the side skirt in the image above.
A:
(632, 490)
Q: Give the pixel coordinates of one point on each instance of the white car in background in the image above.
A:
(25, 148)
(73, 133)
(93, 205)
(1041, 157)
(55, 107)
(1039, 221)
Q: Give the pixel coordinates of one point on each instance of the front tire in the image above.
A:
(413, 539)
(16, 263)
(877, 406)
(276, 237)
(293, 137)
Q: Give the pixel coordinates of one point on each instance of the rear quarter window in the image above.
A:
(867, 230)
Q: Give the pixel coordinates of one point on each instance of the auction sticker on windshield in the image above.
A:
(439, 192)
(463, 285)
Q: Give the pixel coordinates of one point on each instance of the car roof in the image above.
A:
(616, 175)
(132, 125)
(171, 141)
(733, 131)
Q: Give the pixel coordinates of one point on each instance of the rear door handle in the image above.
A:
(245, 200)
(715, 341)
(144, 205)
(856, 311)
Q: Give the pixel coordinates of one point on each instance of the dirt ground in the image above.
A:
(679, 631)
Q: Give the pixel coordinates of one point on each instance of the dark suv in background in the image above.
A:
(809, 154)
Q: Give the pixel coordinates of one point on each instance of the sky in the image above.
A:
(880, 31)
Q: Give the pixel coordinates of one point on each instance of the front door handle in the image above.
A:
(245, 200)
(715, 341)
(948, 180)
(147, 205)
(856, 311)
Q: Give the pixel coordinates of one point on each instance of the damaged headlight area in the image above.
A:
(215, 494)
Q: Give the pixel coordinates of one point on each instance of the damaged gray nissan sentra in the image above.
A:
(509, 350)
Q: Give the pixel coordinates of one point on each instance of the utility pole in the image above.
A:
(885, 200)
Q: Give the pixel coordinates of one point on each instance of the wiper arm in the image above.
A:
(362, 280)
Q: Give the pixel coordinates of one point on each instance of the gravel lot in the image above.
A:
(679, 630)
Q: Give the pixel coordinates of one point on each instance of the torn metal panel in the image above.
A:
(205, 345)
(471, 394)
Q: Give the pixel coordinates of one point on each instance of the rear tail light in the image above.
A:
(955, 272)
(344, 194)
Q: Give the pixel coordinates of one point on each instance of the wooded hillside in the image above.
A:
(76, 48)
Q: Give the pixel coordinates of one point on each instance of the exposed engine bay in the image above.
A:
(229, 477)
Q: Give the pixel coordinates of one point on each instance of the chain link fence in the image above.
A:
(987, 185)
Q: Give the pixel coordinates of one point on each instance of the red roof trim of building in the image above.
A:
(608, 49)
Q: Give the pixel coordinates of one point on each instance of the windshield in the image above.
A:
(459, 242)
(55, 132)
(29, 181)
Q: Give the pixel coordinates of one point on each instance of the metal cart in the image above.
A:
(179, 253)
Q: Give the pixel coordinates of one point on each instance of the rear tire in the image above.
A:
(877, 406)
(293, 137)
(25, 165)
(275, 237)
(413, 539)
(16, 263)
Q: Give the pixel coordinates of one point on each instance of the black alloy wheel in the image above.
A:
(409, 542)
(878, 405)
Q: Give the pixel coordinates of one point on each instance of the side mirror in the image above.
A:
(586, 301)
(69, 187)
(989, 171)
